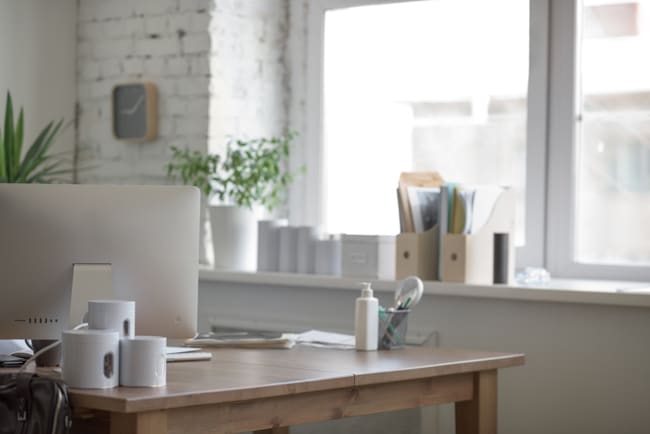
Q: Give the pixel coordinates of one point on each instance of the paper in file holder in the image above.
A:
(416, 254)
(470, 258)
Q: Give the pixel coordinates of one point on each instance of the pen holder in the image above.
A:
(392, 328)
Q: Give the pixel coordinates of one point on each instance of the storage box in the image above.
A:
(470, 258)
(417, 255)
(368, 256)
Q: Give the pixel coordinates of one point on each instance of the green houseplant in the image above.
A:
(37, 163)
(252, 173)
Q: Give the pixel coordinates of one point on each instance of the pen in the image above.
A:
(390, 332)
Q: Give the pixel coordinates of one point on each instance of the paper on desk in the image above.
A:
(325, 339)
(316, 338)
(285, 341)
(178, 350)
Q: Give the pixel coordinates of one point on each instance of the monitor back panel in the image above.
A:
(149, 235)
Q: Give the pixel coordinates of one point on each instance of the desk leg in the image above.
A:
(479, 416)
(151, 422)
(279, 430)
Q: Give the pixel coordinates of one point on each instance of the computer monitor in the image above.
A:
(148, 235)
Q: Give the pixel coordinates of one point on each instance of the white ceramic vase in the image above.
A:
(204, 221)
(234, 237)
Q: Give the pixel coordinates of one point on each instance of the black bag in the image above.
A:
(30, 404)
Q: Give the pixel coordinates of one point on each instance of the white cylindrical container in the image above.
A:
(116, 315)
(307, 236)
(234, 237)
(288, 249)
(91, 358)
(268, 244)
(143, 361)
(366, 318)
(327, 256)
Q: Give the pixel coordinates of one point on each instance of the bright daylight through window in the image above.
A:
(420, 86)
(613, 134)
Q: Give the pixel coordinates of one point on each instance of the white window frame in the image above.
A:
(564, 105)
(550, 149)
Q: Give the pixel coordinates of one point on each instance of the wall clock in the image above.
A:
(135, 111)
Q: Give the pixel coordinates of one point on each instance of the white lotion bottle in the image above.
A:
(366, 317)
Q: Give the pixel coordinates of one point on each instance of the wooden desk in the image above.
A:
(268, 390)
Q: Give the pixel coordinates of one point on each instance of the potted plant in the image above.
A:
(36, 164)
(252, 173)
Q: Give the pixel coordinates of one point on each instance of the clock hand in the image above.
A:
(134, 108)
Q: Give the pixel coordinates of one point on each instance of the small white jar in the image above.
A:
(91, 358)
(143, 361)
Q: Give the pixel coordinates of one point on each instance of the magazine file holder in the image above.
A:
(416, 254)
(470, 258)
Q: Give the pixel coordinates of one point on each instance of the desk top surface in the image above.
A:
(246, 374)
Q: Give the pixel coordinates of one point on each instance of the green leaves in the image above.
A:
(37, 165)
(10, 149)
(194, 168)
(252, 172)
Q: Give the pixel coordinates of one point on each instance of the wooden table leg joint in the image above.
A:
(274, 430)
(151, 422)
(479, 415)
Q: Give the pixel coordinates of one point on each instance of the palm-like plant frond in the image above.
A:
(37, 164)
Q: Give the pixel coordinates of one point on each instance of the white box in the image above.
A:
(368, 256)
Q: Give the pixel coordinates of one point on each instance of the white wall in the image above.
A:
(164, 41)
(38, 49)
(248, 87)
(219, 66)
(297, 78)
(587, 366)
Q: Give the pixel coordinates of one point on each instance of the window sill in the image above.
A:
(558, 290)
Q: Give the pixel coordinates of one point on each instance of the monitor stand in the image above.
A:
(89, 282)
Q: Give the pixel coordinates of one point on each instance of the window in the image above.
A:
(459, 87)
(427, 85)
(613, 154)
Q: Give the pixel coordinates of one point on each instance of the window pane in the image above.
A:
(613, 158)
(419, 86)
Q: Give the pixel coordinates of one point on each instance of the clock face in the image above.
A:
(131, 106)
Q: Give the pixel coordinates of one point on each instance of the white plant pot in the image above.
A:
(204, 221)
(234, 237)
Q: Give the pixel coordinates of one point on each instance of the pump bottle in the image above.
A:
(366, 320)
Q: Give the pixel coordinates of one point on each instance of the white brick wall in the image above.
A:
(296, 60)
(219, 66)
(248, 68)
(121, 41)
